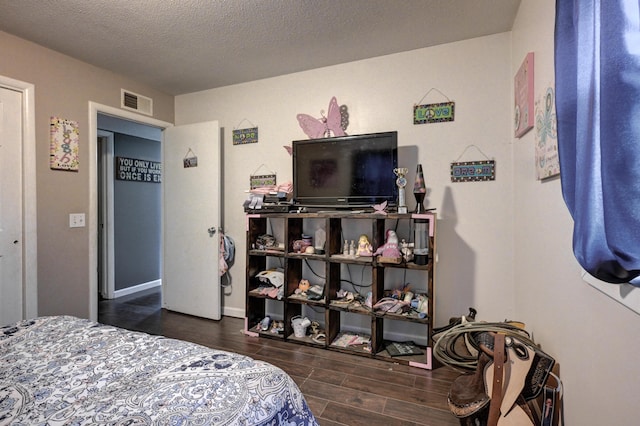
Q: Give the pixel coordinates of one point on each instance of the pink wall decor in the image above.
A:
(63, 145)
(334, 124)
(523, 92)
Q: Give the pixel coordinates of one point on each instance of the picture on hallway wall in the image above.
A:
(63, 148)
(136, 170)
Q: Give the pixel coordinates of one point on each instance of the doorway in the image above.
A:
(98, 264)
(191, 200)
(129, 221)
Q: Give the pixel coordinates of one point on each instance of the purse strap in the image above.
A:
(498, 379)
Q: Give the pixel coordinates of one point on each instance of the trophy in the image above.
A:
(401, 182)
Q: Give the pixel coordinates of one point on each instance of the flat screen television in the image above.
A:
(345, 172)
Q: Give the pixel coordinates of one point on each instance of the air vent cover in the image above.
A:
(135, 102)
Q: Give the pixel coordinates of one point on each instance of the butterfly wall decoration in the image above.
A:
(333, 124)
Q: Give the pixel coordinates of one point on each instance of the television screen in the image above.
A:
(346, 171)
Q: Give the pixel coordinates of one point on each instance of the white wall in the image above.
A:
(475, 234)
(591, 336)
(505, 246)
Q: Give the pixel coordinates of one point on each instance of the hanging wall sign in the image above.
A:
(433, 113)
(190, 160)
(63, 145)
(261, 181)
(133, 170)
(245, 136)
(265, 180)
(473, 171)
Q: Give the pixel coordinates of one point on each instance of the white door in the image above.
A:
(191, 202)
(11, 285)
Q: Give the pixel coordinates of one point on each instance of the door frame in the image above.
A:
(92, 220)
(29, 203)
(105, 155)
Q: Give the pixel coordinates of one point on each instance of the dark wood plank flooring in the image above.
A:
(341, 389)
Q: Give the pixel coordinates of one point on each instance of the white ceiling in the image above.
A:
(184, 46)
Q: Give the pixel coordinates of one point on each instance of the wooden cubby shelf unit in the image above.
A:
(334, 317)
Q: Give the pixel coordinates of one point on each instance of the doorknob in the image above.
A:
(211, 231)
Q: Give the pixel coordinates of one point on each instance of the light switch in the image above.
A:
(76, 220)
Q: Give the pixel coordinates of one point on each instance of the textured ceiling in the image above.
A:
(183, 46)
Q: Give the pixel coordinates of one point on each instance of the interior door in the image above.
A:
(191, 200)
(11, 284)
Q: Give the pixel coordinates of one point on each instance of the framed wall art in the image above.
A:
(523, 93)
(547, 158)
(63, 144)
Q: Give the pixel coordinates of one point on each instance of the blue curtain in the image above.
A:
(597, 68)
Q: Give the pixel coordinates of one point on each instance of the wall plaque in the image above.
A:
(473, 171)
(63, 144)
(523, 92)
(433, 113)
(245, 136)
(262, 181)
(135, 170)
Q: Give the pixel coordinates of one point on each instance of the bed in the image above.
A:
(65, 370)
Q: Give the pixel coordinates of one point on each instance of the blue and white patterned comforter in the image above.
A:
(69, 371)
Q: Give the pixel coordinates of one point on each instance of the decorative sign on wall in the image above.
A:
(190, 160)
(547, 160)
(63, 148)
(134, 170)
(473, 171)
(245, 136)
(261, 181)
(433, 113)
(523, 92)
(265, 180)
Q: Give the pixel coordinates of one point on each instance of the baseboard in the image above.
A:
(233, 312)
(136, 288)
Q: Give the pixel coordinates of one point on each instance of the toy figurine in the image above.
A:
(390, 248)
(364, 247)
(303, 286)
(407, 250)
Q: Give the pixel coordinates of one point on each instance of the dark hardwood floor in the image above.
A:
(341, 389)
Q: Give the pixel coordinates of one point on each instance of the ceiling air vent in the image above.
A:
(134, 102)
